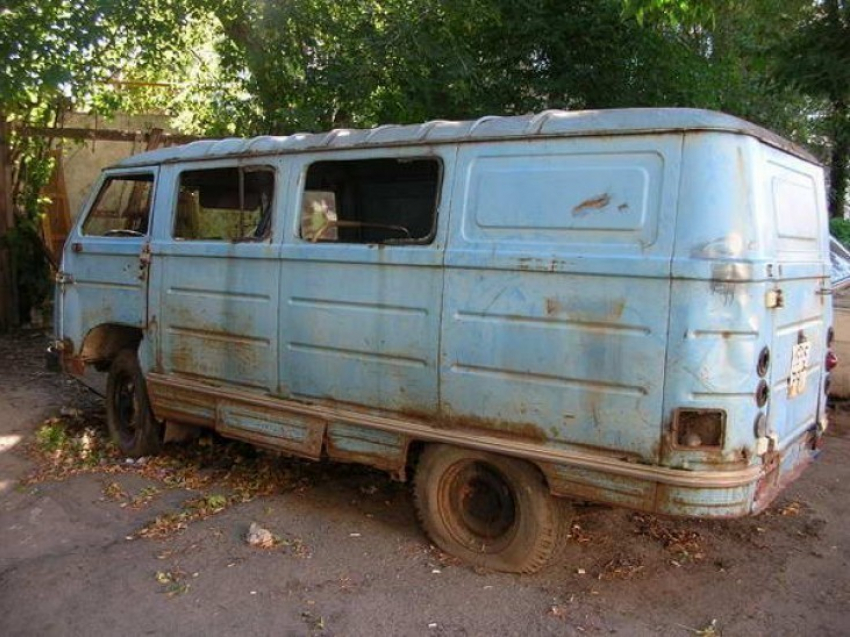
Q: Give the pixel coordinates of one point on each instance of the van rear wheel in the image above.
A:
(489, 510)
(131, 422)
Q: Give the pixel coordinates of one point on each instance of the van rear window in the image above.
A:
(225, 204)
(371, 201)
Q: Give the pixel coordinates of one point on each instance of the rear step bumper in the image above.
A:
(699, 494)
(781, 469)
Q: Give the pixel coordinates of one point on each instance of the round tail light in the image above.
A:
(831, 361)
(762, 393)
(763, 363)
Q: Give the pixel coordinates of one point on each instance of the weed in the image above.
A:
(172, 582)
(51, 436)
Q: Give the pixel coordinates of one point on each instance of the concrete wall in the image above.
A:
(83, 161)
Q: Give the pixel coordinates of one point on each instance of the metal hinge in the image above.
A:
(63, 278)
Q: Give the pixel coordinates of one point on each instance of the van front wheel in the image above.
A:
(489, 510)
(131, 423)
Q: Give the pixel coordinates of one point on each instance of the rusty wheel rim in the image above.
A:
(478, 506)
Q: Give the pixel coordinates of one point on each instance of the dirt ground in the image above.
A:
(91, 545)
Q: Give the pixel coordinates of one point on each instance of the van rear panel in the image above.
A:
(749, 315)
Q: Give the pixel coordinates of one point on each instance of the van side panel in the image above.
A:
(557, 291)
(359, 323)
(213, 302)
(356, 329)
(217, 311)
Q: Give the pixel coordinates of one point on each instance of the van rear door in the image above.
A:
(799, 308)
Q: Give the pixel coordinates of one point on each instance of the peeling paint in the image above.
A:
(594, 203)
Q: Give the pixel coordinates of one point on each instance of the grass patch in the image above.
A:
(66, 446)
(222, 472)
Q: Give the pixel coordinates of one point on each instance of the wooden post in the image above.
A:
(8, 297)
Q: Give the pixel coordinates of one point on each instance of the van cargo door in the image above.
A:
(799, 309)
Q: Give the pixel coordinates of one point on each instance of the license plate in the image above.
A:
(799, 364)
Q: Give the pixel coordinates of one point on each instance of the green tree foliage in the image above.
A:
(840, 229)
(815, 59)
(59, 53)
(314, 64)
(317, 64)
(278, 66)
(61, 50)
(782, 63)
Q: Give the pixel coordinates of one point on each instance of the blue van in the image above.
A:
(629, 307)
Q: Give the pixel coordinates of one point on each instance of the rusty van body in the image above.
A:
(629, 307)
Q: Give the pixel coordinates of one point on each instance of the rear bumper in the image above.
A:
(781, 469)
(699, 494)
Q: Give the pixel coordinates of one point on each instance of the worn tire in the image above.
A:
(131, 422)
(492, 511)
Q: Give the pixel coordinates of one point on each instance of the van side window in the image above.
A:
(371, 201)
(122, 207)
(225, 204)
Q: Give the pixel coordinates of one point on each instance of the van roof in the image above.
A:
(551, 123)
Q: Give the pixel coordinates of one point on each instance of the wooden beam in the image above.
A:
(105, 134)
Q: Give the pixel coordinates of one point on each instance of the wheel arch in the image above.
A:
(416, 448)
(102, 343)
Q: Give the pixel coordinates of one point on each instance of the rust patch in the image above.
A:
(394, 464)
(74, 365)
(770, 481)
(597, 486)
(772, 484)
(594, 203)
(492, 426)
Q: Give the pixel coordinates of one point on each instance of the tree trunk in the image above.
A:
(839, 161)
(8, 297)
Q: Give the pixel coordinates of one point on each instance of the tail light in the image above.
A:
(760, 426)
(763, 363)
(831, 360)
(699, 429)
(762, 393)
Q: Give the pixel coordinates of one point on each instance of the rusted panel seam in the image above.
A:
(424, 432)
